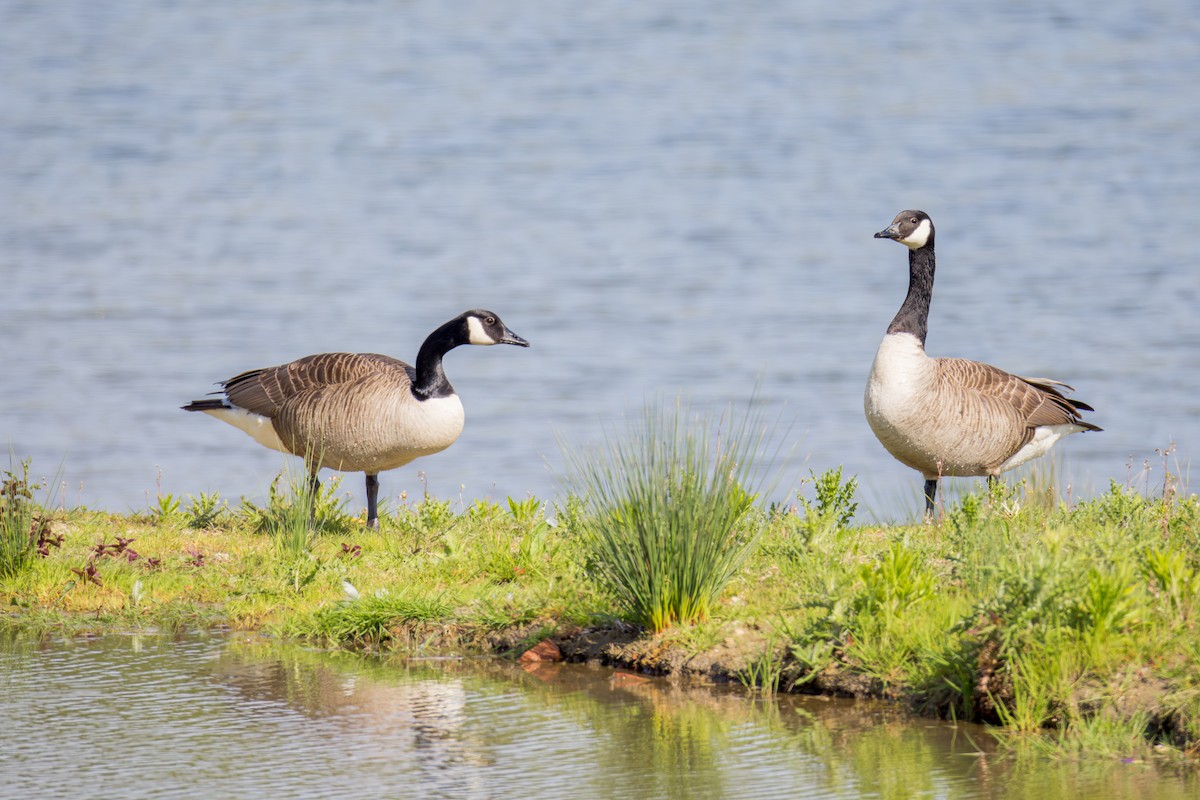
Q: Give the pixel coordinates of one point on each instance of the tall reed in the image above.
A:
(667, 524)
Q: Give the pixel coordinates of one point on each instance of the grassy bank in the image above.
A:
(1017, 609)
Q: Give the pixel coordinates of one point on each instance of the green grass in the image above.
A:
(1072, 625)
(1036, 616)
(669, 502)
(23, 533)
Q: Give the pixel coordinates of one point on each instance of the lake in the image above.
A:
(665, 198)
(139, 716)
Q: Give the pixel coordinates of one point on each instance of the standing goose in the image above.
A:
(357, 412)
(951, 416)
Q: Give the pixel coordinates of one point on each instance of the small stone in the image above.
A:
(545, 650)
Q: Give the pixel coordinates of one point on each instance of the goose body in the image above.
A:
(952, 416)
(357, 412)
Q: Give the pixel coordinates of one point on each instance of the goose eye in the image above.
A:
(491, 320)
(913, 220)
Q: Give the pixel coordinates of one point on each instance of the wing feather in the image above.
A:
(1036, 402)
(266, 391)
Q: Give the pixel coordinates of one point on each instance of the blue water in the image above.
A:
(663, 197)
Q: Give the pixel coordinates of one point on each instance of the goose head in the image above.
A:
(913, 229)
(484, 327)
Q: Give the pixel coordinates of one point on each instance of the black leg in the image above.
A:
(314, 489)
(372, 501)
(992, 481)
(930, 494)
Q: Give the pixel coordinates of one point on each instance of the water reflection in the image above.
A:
(596, 732)
(145, 716)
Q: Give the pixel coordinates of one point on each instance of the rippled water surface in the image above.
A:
(662, 197)
(197, 716)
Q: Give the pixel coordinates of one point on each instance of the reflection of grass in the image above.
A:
(651, 739)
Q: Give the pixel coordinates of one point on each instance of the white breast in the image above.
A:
(901, 377)
(402, 433)
(900, 372)
(438, 423)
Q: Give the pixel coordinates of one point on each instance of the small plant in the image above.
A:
(1170, 486)
(834, 505)
(293, 518)
(812, 653)
(1109, 602)
(434, 515)
(764, 672)
(525, 512)
(291, 524)
(965, 516)
(24, 531)
(1003, 498)
(426, 523)
(570, 518)
(165, 508)
(302, 571)
(1172, 577)
(535, 545)
(205, 511)
(668, 506)
(894, 584)
(118, 549)
(1042, 678)
(1121, 506)
(46, 539)
(88, 574)
(1030, 602)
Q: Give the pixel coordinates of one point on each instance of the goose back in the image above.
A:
(349, 411)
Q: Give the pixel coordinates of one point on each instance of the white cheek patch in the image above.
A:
(475, 332)
(917, 239)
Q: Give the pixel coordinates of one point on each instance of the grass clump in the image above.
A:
(24, 528)
(668, 502)
(206, 511)
(292, 517)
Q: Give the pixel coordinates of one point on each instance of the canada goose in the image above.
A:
(357, 412)
(951, 416)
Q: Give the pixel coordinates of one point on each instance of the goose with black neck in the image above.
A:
(357, 412)
(951, 416)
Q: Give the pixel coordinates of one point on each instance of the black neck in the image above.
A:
(431, 380)
(913, 316)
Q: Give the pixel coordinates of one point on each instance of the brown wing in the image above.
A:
(1057, 408)
(1033, 402)
(265, 391)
